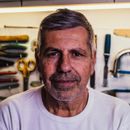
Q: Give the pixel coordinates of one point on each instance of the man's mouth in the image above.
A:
(64, 84)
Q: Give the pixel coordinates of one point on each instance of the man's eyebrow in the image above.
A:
(80, 50)
(51, 49)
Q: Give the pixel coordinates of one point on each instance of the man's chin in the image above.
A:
(64, 95)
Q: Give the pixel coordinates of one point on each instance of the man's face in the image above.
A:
(66, 63)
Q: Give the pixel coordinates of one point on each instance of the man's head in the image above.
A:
(65, 55)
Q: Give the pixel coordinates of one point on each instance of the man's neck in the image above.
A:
(65, 108)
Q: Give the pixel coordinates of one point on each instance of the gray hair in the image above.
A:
(63, 19)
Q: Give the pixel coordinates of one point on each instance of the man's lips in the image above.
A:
(64, 83)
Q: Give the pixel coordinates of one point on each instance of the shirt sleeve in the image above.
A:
(125, 122)
(4, 117)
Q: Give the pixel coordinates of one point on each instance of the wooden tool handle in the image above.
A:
(17, 38)
(122, 32)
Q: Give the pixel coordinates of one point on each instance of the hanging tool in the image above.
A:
(17, 38)
(9, 85)
(13, 54)
(6, 80)
(13, 47)
(34, 45)
(26, 67)
(12, 51)
(107, 47)
(122, 32)
(36, 83)
(28, 27)
(6, 63)
(8, 73)
(116, 66)
(92, 78)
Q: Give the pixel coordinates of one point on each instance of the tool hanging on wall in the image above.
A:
(107, 47)
(13, 54)
(117, 63)
(122, 32)
(6, 80)
(17, 38)
(8, 73)
(6, 63)
(12, 47)
(20, 27)
(36, 83)
(26, 67)
(34, 45)
(9, 85)
(12, 51)
(92, 78)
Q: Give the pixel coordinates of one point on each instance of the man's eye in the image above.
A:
(52, 54)
(76, 54)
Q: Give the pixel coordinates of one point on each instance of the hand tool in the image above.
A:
(107, 47)
(122, 90)
(8, 73)
(28, 27)
(113, 92)
(34, 45)
(122, 32)
(12, 47)
(6, 63)
(26, 67)
(36, 83)
(92, 78)
(12, 51)
(6, 80)
(123, 71)
(116, 65)
(17, 38)
(13, 54)
(9, 86)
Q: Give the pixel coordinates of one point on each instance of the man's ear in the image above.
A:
(93, 62)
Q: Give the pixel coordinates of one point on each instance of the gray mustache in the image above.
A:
(65, 77)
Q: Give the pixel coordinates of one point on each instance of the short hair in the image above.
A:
(64, 19)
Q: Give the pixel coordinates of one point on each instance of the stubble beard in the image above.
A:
(64, 93)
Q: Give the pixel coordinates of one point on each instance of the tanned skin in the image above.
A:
(66, 64)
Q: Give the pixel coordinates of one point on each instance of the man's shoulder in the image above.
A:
(110, 101)
(20, 98)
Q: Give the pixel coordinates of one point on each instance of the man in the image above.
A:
(65, 59)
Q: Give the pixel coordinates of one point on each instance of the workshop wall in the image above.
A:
(103, 21)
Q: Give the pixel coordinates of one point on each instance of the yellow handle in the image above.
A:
(26, 66)
(122, 32)
(17, 38)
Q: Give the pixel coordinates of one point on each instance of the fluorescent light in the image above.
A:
(73, 7)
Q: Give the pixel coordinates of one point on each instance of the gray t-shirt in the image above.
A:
(26, 111)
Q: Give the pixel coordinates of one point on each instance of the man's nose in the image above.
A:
(64, 64)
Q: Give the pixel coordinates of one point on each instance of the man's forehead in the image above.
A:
(76, 31)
